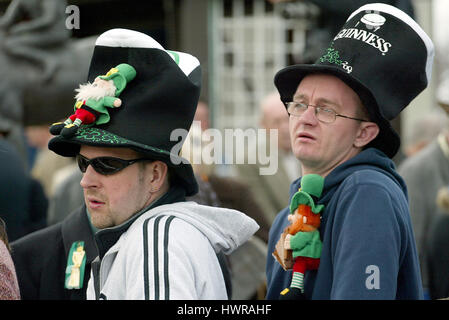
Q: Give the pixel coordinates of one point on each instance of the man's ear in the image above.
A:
(368, 131)
(159, 171)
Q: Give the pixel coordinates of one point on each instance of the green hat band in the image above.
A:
(98, 136)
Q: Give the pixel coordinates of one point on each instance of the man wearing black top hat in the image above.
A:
(152, 244)
(339, 109)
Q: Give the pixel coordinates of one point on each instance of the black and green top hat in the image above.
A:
(383, 55)
(160, 99)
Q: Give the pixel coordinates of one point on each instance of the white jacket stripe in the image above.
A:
(160, 263)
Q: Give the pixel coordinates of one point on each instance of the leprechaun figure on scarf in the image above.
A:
(303, 237)
(93, 99)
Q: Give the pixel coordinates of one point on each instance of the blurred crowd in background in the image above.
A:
(43, 62)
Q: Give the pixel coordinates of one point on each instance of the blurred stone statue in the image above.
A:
(41, 65)
(30, 27)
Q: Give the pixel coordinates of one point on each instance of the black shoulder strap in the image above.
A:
(224, 265)
(96, 276)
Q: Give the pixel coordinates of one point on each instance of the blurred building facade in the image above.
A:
(243, 43)
(240, 43)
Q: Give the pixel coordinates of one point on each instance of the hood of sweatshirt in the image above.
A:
(226, 229)
(371, 158)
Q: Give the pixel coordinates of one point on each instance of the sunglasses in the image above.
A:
(106, 165)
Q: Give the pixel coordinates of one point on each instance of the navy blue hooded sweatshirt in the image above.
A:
(369, 249)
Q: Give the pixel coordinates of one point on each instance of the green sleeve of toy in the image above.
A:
(306, 244)
(109, 101)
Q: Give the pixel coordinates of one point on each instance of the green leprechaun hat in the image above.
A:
(121, 75)
(311, 185)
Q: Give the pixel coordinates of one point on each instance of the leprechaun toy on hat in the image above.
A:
(150, 82)
(93, 99)
(303, 237)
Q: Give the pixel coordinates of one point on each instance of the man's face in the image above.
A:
(322, 146)
(113, 199)
(276, 117)
(202, 114)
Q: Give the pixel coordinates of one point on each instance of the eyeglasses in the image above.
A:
(106, 165)
(323, 114)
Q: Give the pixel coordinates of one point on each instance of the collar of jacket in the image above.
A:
(107, 237)
(76, 227)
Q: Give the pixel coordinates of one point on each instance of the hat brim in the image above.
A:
(288, 79)
(91, 136)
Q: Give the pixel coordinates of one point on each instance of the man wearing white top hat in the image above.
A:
(152, 243)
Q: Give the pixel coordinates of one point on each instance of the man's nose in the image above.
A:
(309, 116)
(90, 178)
